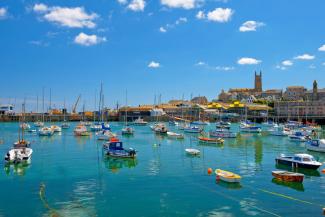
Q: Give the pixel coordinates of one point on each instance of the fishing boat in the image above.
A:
(248, 127)
(175, 135)
(192, 151)
(193, 129)
(21, 151)
(210, 140)
(65, 125)
(38, 124)
(25, 126)
(227, 176)
(297, 137)
(127, 131)
(56, 129)
(222, 133)
(277, 130)
(96, 127)
(105, 135)
(139, 122)
(81, 130)
(288, 176)
(298, 161)
(159, 128)
(223, 125)
(316, 145)
(114, 148)
(45, 131)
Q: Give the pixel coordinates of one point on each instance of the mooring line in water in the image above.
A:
(45, 203)
(238, 201)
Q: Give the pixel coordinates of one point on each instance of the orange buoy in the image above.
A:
(209, 171)
(323, 170)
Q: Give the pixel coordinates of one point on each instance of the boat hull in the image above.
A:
(296, 164)
(288, 176)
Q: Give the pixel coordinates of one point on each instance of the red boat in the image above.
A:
(288, 176)
(211, 140)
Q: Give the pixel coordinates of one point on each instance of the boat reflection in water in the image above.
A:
(229, 185)
(17, 169)
(115, 164)
(306, 172)
(299, 186)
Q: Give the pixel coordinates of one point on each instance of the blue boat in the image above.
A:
(114, 148)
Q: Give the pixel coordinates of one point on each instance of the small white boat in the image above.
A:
(127, 131)
(277, 130)
(298, 161)
(159, 128)
(193, 129)
(45, 131)
(297, 137)
(222, 133)
(81, 130)
(227, 176)
(316, 145)
(56, 128)
(25, 126)
(105, 135)
(38, 124)
(65, 125)
(96, 127)
(18, 155)
(192, 151)
(175, 135)
(140, 122)
(248, 127)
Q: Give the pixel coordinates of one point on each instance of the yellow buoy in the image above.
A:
(210, 171)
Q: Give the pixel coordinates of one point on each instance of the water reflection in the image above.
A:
(228, 185)
(294, 185)
(115, 164)
(17, 169)
(307, 172)
(82, 202)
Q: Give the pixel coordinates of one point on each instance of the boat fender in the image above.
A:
(209, 171)
(323, 170)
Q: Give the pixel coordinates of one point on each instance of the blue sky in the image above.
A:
(167, 47)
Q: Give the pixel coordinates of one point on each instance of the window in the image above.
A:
(306, 159)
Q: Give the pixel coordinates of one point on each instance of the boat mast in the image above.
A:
(43, 105)
(50, 107)
(126, 107)
(64, 110)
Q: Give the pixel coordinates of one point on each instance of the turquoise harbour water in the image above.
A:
(162, 181)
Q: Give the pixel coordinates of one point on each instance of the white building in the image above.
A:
(7, 109)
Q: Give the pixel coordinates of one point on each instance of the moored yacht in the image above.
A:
(45, 131)
(248, 127)
(139, 122)
(299, 161)
(316, 145)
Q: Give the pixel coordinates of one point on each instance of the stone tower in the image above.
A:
(315, 90)
(258, 82)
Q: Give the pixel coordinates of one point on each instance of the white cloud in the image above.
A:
(281, 67)
(88, 40)
(225, 68)
(287, 63)
(186, 4)
(322, 48)
(323, 63)
(154, 64)
(162, 29)
(305, 57)
(3, 13)
(69, 17)
(250, 25)
(173, 25)
(200, 63)
(312, 66)
(122, 2)
(40, 8)
(137, 5)
(248, 61)
(221, 15)
(200, 15)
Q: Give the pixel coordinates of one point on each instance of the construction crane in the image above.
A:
(75, 105)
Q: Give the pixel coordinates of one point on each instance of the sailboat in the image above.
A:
(247, 126)
(65, 124)
(45, 131)
(127, 130)
(38, 123)
(21, 151)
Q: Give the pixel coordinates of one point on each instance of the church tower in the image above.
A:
(258, 82)
(315, 90)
